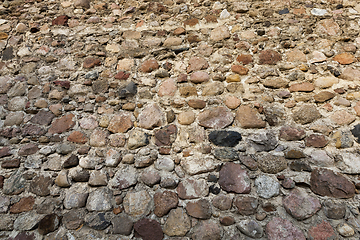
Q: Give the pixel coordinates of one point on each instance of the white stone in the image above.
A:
(318, 12)
(267, 187)
(198, 165)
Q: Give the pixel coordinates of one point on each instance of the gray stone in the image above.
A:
(4, 204)
(267, 187)
(306, 114)
(124, 178)
(250, 228)
(14, 118)
(334, 210)
(226, 154)
(263, 141)
(98, 178)
(15, 184)
(122, 224)
(192, 189)
(65, 148)
(7, 222)
(194, 166)
(137, 204)
(207, 230)
(271, 163)
(73, 219)
(99, 200)
(27, 221)
(17, 104)
(76, 196)
(97, 221)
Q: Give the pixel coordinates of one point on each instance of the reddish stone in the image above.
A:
(196, 64)
(248, 117)
(199, 77)
(28, 149)
(120, 123)
(227, 221)
(77, 137)
(241, 70)
(149, 65)
(191, 22)
(165, 136)
(42, 118)
(24, 205)
(302, 87)
(32, 130)
(4, 152)
(325, 182)
(200, 209)
(164, 202)
(182, 78)
(91, 62)
(316, 140)
(322, 231)
(292, 133)
(246, 205)
(283, 229)
(232, 178)
(148, 229)
(157, 7)
(270, 57)
(245, 58)
(12, 163)
(61, 20)
(211, 19)
(300, 205)
(62, 124)
(344, 58)
(122, 75)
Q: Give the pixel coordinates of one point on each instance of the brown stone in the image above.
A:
(77, 137)
(62, 124)
(199, 209)
(275, 83)
(11, 163)
(289, 133)
(323, 96)
(28, 149)
(295, 56)
(199, 77)
(227, 220)
(24, 205)
(42, 118)
(61, 20)
(164, 202)
(179, 31)
(149, 65)
(148, 229)
(325, 182)
(222, 202)
(232, 178)
(279, 228)
(316, 140)
(191, 22)
(270, 57)
(188, 91)
(91, 62)
(167, 88)
(306, 114)
(208, 230)
(40, 185)
(211, 19)
(196, 64)
(120, 123)
(246, 205)
(350, 74)
(344, 58)
(5, 152)
(197, 103)
(322, 231)
(328, 26)
(244, 59)
(241, 70)
(217, 117)
(302, 87)
(248, 117)
(122, 75)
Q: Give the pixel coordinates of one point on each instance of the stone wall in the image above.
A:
(179, 119)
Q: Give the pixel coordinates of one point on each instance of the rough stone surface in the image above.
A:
(218, 117)
(279, 228)
(248, 117)
(148, 229)
(164, 202)
(267, 187)
(178, 223)
(232, 178)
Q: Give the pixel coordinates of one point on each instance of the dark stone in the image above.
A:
(227, 220)
(284, 11)
(23, 236)
(63, 84)
(225, 138)
(91, 62)
(299, 166)
(122, 75)
(227, 154)
(263, 141)
(270, 57)
(246, 205)
(166, 135)
(97, 221)
(10, 132)
(72, 161)
(325, 182)
(122, 224)
(28, 149)
(61, 20)
(5, 152)
(62, 124)
(128, 91)
(73, 219)
(148, 229)
(2, 178)
(12, 163)
(294, 154)
(24, 205)
(42, 118)
(212, 178)
(93, 75)
(356, 132)
(164, 202)
(32, 130)
(41, 185)
(269, 207)
(81, 176)
(334, 210)
(214, 189)
(8, 54)
(49, 224)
